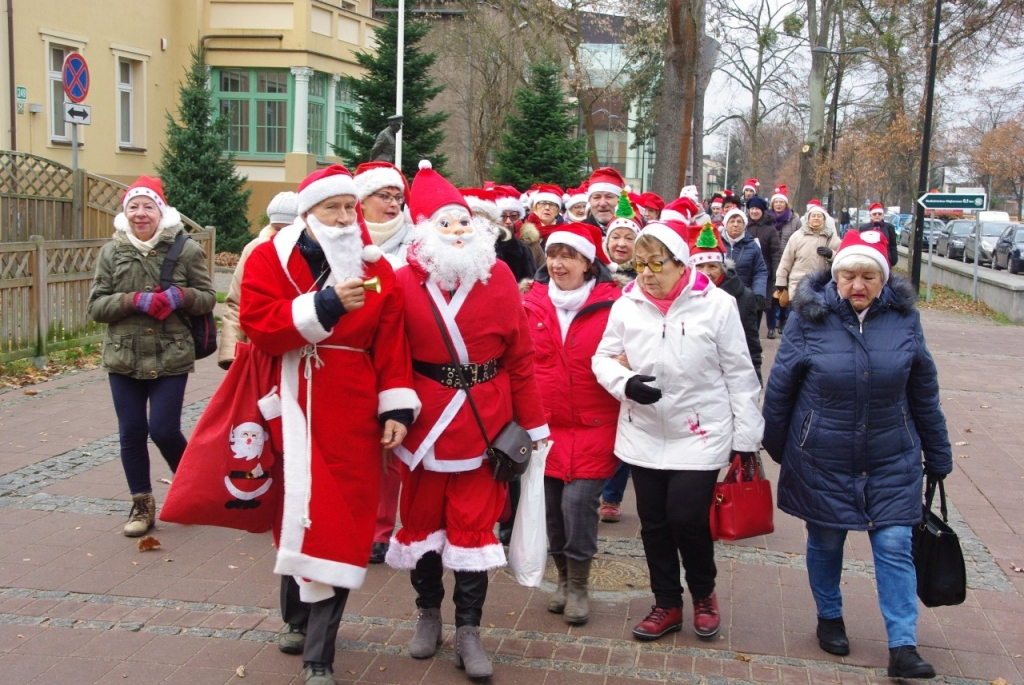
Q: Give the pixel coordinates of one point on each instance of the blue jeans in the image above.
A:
(165, 397)
(615, 487)
(895, 577)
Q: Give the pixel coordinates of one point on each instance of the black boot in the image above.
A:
(905, 662)
(426, 580)
(470, 593)
(832, 636)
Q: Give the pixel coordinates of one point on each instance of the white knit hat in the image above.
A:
(283, 208)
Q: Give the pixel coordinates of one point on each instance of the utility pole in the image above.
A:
(922, 181)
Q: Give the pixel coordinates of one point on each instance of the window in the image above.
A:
(344, 116)
(125, 97)
(317, 110)
(255, 104)
(58, 129)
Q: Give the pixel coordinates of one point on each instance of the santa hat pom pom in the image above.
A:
(371, 253)
(612, 267)
(425, 164)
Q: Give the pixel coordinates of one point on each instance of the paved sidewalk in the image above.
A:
(80, 605)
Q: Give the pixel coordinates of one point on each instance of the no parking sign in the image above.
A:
(75, 76)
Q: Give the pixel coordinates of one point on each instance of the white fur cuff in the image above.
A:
(305, 320)
(540, 432)
(484, 558)
(404, 557)
(270, 404)
(399, 398)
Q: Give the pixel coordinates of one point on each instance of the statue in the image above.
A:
(383, 149)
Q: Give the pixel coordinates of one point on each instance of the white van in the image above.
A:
(993, 216)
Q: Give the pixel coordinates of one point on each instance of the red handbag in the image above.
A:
(742, 504)
(231, 472)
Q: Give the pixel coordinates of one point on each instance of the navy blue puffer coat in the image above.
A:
(749, 262)
(850, 407)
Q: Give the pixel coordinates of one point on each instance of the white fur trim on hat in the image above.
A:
(672, 241)
(136, 191)
(547, 197)
(864, 251)
(603, 188)
(483, 207)
(779, 196)
(372, 180)
(673, 215)
(732, 213)
(708, 257)
(330, 186)
(511, 204)
(573, 200)
(623, 222)
(576, 242)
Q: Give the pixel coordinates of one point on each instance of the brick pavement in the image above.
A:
(79, 604)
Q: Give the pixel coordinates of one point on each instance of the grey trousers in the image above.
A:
(572, 516)
(319, 621)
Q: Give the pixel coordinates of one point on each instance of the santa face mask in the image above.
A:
(342, 246)
(455, 248)
(454, 226)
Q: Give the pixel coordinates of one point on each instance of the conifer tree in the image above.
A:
(374, 94)
(539, 144)
(199, 179)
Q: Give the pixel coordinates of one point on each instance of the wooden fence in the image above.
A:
(53, 222)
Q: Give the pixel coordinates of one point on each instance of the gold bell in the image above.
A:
(372, 284)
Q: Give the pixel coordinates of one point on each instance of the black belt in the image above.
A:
(448, 376)
(247, 475)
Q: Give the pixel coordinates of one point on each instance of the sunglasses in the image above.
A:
(655, 266)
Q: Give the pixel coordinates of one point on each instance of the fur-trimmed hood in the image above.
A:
(817, 295)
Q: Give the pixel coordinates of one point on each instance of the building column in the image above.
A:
(330, 132)
(299, 163)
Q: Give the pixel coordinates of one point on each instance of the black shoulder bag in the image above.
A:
(938, 558)
(203, 327)
(509, 453)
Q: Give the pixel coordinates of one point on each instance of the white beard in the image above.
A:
(343, 248)
(451, 266)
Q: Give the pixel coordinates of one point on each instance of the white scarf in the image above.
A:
(144, 246)
(568, 303)
(381, 233)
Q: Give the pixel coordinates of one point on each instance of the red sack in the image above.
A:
(231, 472)
(742, 504)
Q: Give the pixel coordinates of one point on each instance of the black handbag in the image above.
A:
(204, 326)
(509, 453)
(938, 558)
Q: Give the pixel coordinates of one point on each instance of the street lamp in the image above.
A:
(838, 54)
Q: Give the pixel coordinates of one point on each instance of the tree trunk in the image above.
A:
(708, 54)
(678, 86)
(818, 31)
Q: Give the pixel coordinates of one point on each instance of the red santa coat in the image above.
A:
(582, 415)
(334, 384)
(484, 323)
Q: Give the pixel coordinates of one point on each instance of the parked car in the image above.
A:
(1009, 253)
(990, 232)
(951, 240)
(932, 229)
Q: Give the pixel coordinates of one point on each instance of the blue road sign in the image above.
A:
(76, 77)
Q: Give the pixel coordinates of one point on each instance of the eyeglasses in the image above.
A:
(510, 216)
(549, 205)
(388, 198)
(655, 266)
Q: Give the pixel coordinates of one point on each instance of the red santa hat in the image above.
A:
(508, 200)
(705, 245)
(372, 176)
(815, 206)
(681, 209)
(781, 193)
(324, 183)
(146, 186)
(671, 234)
(876, 208)
(577, 236)
(149, 187)
(870, 244)
(431, 192)
(547, 192)
(575, 196)
(605, 180)
(751, 183)
(716, 200)
(651, 201)
(690, 192)
(482, 202)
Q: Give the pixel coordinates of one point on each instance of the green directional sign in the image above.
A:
(961, 201)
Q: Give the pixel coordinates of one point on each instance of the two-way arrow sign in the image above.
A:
(77, 114)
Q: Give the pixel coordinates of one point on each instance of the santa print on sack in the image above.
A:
(246, 482)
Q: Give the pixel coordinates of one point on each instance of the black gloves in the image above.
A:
(934, 477)
(824, 252)
(639, 392)
(761, 303)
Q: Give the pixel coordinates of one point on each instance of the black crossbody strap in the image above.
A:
(171, 261)
(458, 369)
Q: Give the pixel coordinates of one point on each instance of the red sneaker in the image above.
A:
(610, 512)
(706, 620)
(661, 620)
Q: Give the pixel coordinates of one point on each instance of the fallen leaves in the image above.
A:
(225, 259)
(240, 671)
(147, 543)
(1000, 681)
(968, 430)
(963, 456)
(960, 443)
(743, 657)
(1015, 568)
(21, 373)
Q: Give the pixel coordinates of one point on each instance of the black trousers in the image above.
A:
(319, 620)
(673, 508)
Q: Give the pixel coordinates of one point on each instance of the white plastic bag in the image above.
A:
(528, 549)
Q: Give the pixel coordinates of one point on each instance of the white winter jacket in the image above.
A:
(698, 355)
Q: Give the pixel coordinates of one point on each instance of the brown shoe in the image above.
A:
(610, 512)
(142, 515)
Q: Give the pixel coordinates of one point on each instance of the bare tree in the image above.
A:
(820, 15)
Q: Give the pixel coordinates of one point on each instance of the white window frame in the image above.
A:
(53, 38)
(139, 61)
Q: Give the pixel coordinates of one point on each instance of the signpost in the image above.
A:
(975, 202)
(75, 76)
